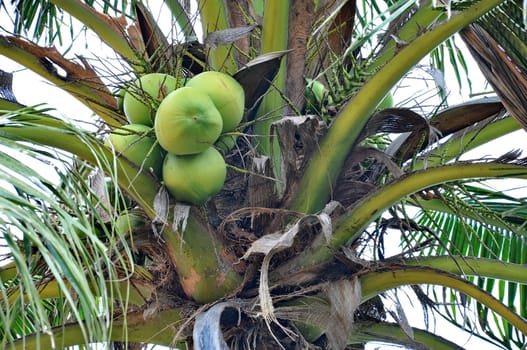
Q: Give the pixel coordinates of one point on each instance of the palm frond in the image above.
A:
(479, 223)
(506, 25)
(44, 20)
(60, 245)
(447, 56)
(498, 44)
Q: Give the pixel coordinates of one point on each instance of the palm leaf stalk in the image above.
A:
(133, 328)
(110, 30)
(57, 133)
(425, 16)
(315, 187)
(181, 17)
(81, 81)
(352, 224)
(375, 283)
(441, 270)
(393, 333)
(214, 18)
(274, 38)
(466, 266)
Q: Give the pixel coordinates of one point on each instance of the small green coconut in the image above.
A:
(127, 222)
(226, 143)
(226, 93)
(119, 96)
(133, 142)
(144, 95)
(194, 178)
(187, 122)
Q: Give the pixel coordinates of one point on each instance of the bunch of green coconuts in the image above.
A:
(188, 119)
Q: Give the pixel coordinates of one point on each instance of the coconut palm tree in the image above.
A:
(322, 172)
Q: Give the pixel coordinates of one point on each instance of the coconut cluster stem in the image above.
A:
(204, 276)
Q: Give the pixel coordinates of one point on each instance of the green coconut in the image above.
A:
(315, 92)
(317, 96)
(194, 178)
(144, 95)
(127, 222)
(134, 143)
(187, 122)
(119, 96)
(226, 93)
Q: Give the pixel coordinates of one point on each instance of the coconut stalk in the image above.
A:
(155, 329)
(199, 258)
(351, 225)
(317, 182)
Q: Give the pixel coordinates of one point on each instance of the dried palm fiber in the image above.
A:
(498, 54)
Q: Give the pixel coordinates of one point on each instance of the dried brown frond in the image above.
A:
(507, 76)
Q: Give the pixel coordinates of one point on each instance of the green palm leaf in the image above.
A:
(485, 224)
(59, 244)
(43, 19)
